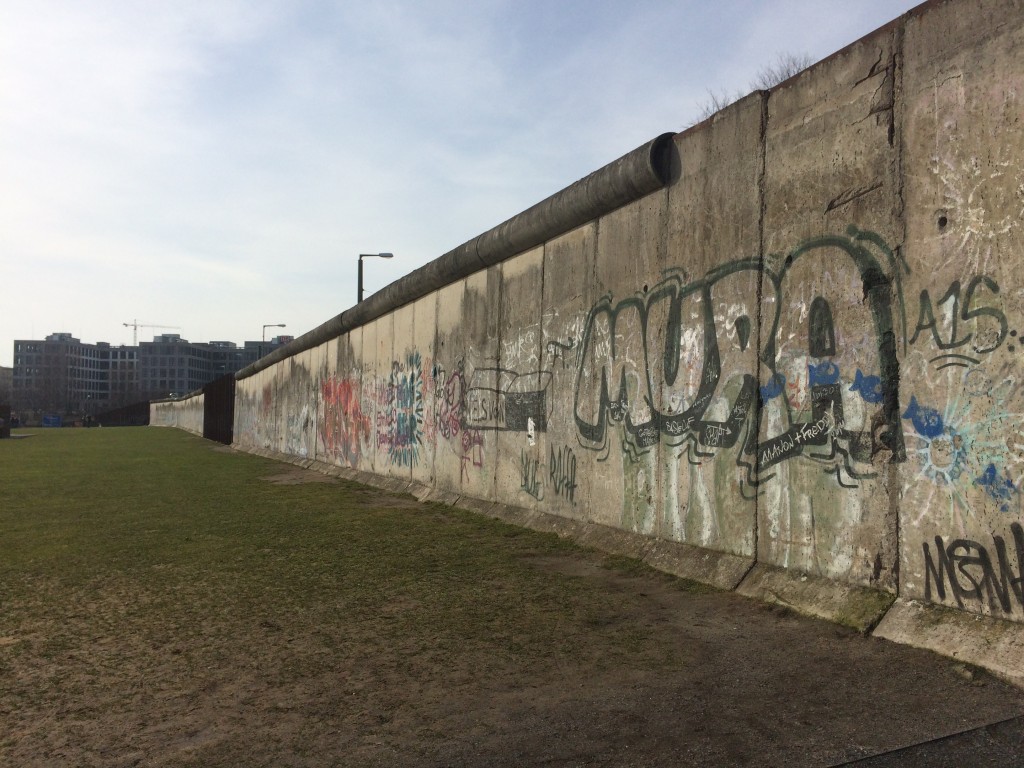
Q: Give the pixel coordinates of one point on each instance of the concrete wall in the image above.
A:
(963, 408)
(804, 350)
(186, 414)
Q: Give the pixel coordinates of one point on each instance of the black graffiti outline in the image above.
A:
(510, 409)
(926, 320)
(557, 350)
(886, 431)
(562, 472)
(529, 469)
(960, 555)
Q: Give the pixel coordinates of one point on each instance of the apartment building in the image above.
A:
(61, 374)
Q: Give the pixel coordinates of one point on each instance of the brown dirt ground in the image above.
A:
(763, 687)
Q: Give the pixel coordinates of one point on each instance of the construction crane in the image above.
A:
(135, 325)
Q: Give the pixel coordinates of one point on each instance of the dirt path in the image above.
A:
(761, 687)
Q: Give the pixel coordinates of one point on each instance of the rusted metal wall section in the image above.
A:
(797, 341)
(219, 409)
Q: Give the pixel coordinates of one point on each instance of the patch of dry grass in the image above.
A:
(149, 583)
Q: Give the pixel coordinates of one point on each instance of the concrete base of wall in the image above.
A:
(718, 569)
(992, 644)
(858, 607)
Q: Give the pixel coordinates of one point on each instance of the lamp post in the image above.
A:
(359, 294)
(271, 325)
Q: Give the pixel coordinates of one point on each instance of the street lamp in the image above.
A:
(271, 325)
(362, 256)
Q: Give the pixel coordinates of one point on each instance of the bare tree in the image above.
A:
(783, 67)
(717, 101)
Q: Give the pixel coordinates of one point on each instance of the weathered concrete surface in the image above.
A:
(613, 401)
(569, 293)
(391, 446)
(709, 368)
(850, 605)
(186, 413)
(994, 644)
(369, 375)
(468, 340)
(449, 387)
(424, 330)
(708, 566)
(963, 411)
(831, 163)
(344, 422)
(297, 404)
(516, 389)
(401, 400)
(803, 351)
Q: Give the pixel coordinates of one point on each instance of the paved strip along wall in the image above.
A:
(787, 342)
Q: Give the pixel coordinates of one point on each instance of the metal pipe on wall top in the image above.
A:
(634, 175)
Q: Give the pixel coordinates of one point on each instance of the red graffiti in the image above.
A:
(344, 426)
(472, 451)
(449, 406)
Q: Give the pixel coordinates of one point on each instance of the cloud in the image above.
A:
(220, 165)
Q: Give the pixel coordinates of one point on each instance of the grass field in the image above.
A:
(165, 601)
(140, 568)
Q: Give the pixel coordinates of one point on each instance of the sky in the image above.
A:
(213, 166)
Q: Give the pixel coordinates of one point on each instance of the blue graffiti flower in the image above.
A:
(823, 373)
(774, 387)
(999, 488)
(870, 387)
(927, 421)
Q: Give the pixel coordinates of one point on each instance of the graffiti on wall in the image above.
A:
(297, 426)
(400, 411)
(558, 475)
(530, 475)
(448, 420)
(449, 401)
(344, 427)
(677, 364)
(503, 400)
(489, 399)
(562, 472)
(254, 415)
(967, 572)
(472, 441)
(963, 422)
(297, 398)
(963, 307)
